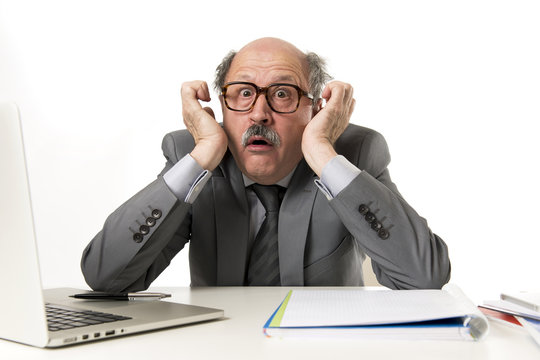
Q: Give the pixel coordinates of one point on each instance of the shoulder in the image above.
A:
(364, 147)
(356, 136)
(177, 144)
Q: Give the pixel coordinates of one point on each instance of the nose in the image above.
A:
(261, 112)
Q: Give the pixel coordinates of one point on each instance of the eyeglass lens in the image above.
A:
(281, 98)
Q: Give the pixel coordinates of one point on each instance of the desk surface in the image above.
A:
(239, 336)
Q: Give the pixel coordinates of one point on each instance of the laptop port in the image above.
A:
(109, 333)
(70, 340)
(96, 335)
(85, 337)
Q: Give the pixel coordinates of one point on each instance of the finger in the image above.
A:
(209, 111)
(202, 92)
(346, 91)
(195, 90)
(351, 109)
(350, 98)
(338, 92)
(326, 93)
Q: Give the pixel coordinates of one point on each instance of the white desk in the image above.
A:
(239, 336)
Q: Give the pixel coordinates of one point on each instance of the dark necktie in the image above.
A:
(263, 269)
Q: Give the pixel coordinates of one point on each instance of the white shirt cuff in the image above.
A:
(186, 179)
(336, 176)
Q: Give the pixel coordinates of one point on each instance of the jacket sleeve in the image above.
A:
(405, 253)
(139, 239)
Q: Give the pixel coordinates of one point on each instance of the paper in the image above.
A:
(378, 314)
(363, 307)
(532, 326)
(511, 308)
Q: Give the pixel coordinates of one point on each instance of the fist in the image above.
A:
(210, 139)
(327, 125)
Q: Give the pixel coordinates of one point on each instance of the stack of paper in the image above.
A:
(384, 314)
(523, 307)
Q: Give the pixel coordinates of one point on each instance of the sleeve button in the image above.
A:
(144, 229)
(376, 225)
(384, 234)
(150, 221)
(370, 217)
(137, 237)
(363, 209)
(156, 214)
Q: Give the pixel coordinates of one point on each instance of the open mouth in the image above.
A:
(259, 141)
(259, 137)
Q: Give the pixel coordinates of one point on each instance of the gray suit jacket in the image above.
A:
(321, 242)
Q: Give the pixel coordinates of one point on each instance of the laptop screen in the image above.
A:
(21, 304)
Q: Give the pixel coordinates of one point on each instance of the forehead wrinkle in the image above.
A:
(269, 66)
(274, 79)
(269, 76)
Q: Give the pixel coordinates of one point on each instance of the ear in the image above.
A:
(317, 107)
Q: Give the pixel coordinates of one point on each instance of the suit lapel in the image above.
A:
(294, 217)
(232, 223)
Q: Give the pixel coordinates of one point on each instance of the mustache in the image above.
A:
(260, 130)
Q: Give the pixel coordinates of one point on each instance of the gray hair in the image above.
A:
(318, 76)
(222, 70)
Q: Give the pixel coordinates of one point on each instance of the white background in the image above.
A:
(454, 86)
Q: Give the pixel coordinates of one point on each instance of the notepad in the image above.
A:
(396, 314)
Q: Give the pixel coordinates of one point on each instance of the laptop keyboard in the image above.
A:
(62, 317)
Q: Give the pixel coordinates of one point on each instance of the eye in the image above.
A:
(246, 93)
(282, 93)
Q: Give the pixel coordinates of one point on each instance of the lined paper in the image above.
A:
(307, 308)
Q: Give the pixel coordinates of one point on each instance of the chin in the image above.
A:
(259, 174)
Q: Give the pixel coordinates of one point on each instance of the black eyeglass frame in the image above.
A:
(264, 90)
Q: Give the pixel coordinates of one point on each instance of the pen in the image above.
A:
(121, 296)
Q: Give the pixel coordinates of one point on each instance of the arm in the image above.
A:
(121, 257)
(135, 246)
(411, 256)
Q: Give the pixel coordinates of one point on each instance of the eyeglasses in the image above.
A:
(282, 98)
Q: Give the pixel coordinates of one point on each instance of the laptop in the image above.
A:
(23, 316)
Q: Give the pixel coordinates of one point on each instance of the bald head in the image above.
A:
(271, 57)
(272, 42)
(271, 46)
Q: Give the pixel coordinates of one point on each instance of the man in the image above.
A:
(339, 203)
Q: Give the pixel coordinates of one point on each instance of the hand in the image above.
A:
(210, 139)
(323, 130)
